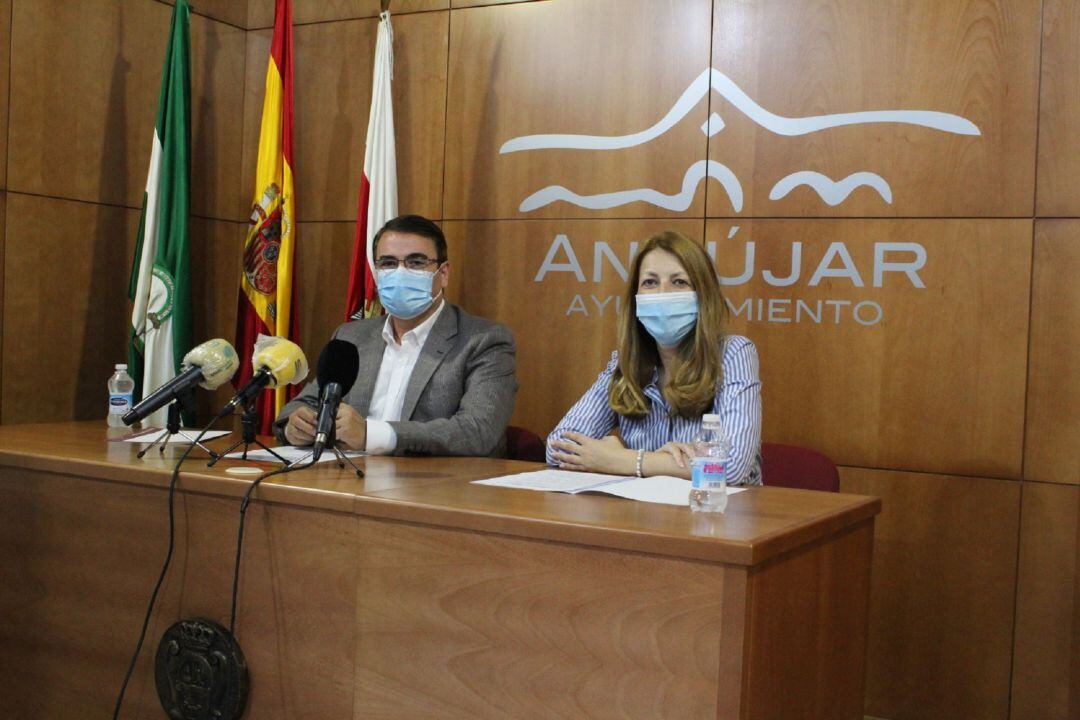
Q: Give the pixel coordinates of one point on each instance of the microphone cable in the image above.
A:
(240, 532)
(165, 566)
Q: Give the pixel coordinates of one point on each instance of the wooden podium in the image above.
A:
(414, 594)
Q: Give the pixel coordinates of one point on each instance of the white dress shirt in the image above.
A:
(398, 362)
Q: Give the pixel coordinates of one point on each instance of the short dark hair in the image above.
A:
(414, 225)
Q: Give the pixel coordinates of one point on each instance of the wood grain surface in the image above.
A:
(346, 613)
(1058, 164)
(233, 12)
(760, 523)
(800, 58)
(460, 625)
(826, 679)
(261, 12)
(942, 598)
(546, 67)
(73, 325)
(936, 384)
(1045, 662)
(1052, 434)
(59, 149)
(5, 85)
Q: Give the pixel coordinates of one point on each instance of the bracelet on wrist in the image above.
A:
(640, 462)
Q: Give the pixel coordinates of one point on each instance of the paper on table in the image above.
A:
(552, 480)
(149, 435)
(664, 489)
(290, 453)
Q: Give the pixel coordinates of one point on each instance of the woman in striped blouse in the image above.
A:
(674, 363)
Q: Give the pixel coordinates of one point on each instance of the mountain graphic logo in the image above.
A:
(832, 192)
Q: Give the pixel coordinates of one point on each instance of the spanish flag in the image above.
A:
(267, 300)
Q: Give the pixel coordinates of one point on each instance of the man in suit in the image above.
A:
(433, 380)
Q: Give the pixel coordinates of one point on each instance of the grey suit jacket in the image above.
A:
(459, 397)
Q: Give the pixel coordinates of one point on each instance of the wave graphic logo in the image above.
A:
(832, 192)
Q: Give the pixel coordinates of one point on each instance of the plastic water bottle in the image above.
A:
(121, 388)
(708, 469)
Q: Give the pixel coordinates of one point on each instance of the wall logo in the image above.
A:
(892, 262)
(832, 192)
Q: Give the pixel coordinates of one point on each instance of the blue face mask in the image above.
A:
(668, 317)
(405, 293)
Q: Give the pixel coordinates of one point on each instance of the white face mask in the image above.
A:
(669, 317)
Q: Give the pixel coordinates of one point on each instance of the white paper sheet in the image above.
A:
(664, 489)
(291, 453)
(149, 435)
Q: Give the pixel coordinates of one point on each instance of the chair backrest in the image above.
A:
(797, 467)
(522, 444)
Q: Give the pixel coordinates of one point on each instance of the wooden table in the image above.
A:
(415, 594)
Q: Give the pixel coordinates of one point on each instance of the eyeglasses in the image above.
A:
(412, 262)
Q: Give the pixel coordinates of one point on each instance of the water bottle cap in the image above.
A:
(121, 366)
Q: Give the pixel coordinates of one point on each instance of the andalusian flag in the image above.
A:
(160, 284)
(267, 285)
(378, 186)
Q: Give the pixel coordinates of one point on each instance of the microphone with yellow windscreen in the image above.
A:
(276, 362)
(208, 365)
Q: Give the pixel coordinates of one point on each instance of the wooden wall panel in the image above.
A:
(480, 3)
(217, 140)
(3, 233)
(937, 384)
(323, 266)
(233, 12)
(58, 148)
(553, 67)
(942, 594)
(1052, 437)
(1047, 605)
(1059, 111)
(261, 12)
(5, 84)
(978, 61)
(66, 313)
(564, 323)
(333, 95)
(215, 248)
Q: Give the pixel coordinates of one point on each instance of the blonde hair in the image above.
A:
(697, 371)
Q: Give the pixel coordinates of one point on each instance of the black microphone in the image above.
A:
(339, 363)
(210, 365)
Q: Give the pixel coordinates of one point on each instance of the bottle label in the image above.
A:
(707, 474)
(119, 403)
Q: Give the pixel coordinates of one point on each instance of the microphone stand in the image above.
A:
(184, 401)
(248, 420)
(342, 458)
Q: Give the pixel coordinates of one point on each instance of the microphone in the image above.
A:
(276, 362)
(208, 365)
(339, 363)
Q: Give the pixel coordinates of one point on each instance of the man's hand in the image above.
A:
(351, 428)
(300, 430)
(581, 452)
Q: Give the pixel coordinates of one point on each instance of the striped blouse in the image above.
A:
(738, 402)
